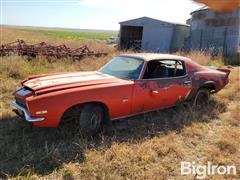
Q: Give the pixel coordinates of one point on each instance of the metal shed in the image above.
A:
(153, 35)
(215, 31)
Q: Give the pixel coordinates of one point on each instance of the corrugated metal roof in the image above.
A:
(200, 9)
(182, 24)
(144, 18)
(152, 19)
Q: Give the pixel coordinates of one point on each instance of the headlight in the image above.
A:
(24, 92)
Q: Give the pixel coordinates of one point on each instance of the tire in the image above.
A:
(201, 99)
(90, 119)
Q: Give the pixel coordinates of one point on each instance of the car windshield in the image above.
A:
(123, 67)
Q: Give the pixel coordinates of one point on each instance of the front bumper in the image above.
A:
(26, 115)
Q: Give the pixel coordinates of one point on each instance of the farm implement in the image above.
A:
(22, 48)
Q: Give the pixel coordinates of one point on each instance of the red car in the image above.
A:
(127, 85)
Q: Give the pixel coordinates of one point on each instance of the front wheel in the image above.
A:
(90, 119)
(201, 99)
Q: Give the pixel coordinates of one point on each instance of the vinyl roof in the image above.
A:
(156, 56)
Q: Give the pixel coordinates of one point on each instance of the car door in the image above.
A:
(162, 89)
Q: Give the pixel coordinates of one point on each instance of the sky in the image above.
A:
(91, 14)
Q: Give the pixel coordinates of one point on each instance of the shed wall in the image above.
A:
(179, 36)
(215, 31)
(156, 36)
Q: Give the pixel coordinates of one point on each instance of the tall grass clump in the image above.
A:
(203, 58)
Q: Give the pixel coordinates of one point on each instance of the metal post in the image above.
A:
(225, 42)
(201, 35)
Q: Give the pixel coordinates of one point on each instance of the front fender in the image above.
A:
(56, 103)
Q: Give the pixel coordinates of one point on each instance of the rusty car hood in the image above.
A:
(60, 81)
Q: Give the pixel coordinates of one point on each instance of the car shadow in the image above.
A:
(25, 149)
(161, 122)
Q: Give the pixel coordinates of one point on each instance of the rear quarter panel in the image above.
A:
(202, 76)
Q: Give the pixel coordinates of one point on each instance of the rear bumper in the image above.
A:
(26, 115)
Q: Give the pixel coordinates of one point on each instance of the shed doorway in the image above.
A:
(131, 37)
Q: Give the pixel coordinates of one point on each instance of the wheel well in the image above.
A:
(210, 86)
(75, 110)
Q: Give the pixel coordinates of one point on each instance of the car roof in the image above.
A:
(156, 56)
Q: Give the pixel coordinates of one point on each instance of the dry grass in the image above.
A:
(203, 58)
(150, 146)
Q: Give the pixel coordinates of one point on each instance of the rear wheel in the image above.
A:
(201, 99)
(90, 119)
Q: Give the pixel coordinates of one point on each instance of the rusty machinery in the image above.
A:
(22, 48)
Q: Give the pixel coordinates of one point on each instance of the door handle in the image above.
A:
(155, 92)
(187, 83)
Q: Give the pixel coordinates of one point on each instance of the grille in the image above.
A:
(21, 102)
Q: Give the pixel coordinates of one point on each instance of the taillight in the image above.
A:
(227, 71)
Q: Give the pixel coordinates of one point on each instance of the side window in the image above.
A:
(164, 68)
